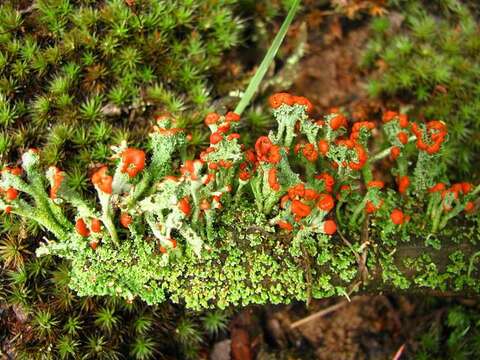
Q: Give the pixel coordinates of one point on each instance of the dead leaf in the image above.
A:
(240, 345)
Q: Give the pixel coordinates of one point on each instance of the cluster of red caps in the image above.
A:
(266, 152)
(337, 121)
(302, 200)
(278, 99)
(457, 190)
(188, 169)
(83, 230)
(429, 140)
(11, 193)
(166, 131)
(132, 161)
(369, 206)
(435, 132)
(222, 126)
(402, 135)
(397, 216)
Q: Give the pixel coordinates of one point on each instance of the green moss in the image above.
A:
(427, 273)
(432, 61)
(454, 336)
(67, 67)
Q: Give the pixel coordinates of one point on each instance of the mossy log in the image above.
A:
(252, 264)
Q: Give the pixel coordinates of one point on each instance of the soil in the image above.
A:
(328, 74)
(373, 327)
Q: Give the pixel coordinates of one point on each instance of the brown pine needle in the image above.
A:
(321, 313)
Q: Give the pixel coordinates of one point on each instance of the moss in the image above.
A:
(72, 68)
(247, 263)
(427, 274)
(454, 336)
(432, 62)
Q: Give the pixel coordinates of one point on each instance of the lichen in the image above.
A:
(298, 216)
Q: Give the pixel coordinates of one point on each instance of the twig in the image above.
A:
(308, 269)
(361, 259)
(362, 266)
(320, 313)
(353, 288)
(258, 230)
(349, 244)
(132, 115)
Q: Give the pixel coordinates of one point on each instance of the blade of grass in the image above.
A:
(267, 60)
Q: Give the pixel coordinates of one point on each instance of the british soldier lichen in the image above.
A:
(239, 225)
